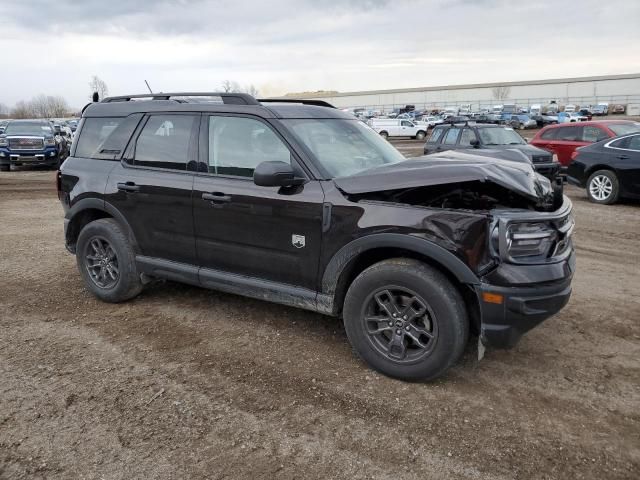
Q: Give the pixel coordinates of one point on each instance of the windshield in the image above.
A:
(624, 128)
(22, 128)
(343, 147)
(500, 136)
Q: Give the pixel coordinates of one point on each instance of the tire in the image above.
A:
(521, 126)
(420, 135)
(603, 187)
(384, 135)
(5, 168)
(380, 343)
(115, 251)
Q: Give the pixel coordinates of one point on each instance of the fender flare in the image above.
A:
(103, 206)
(351, 251)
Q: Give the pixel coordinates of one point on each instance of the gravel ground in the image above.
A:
(187, 383)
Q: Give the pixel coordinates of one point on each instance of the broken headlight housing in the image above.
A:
(530, 240)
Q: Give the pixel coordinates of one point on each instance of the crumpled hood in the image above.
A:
(448, 168)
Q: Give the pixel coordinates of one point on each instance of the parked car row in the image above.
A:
(34, 143)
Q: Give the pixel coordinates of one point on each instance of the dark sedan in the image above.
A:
(609, 169)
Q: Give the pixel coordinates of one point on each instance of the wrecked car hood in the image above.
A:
(449, 168)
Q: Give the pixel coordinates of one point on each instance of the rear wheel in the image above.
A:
(405, 319)
(384, 134)
(420, 135)
(521, 126)
(603, 187)
(106, 261)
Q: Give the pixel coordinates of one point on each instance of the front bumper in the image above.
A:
(48, 156)
(522, 309)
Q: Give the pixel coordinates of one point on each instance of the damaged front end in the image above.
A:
(520, 249)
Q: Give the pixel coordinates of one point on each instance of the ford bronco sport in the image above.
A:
(301, 204)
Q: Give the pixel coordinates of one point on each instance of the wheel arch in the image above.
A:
(361, 253)
(592, 169)
(88, 210)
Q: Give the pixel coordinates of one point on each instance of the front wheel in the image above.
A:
(405, 319)
(106, 261)
(603, 187)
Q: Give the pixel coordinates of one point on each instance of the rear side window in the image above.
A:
(451, 137)
(549, 134)
(436, 135)
(569, 134)
(164, 142)
(593, 134)
(105, 138)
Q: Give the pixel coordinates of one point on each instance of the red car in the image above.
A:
(562, 139)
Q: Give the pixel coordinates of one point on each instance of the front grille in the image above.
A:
(541, 159)
(26, 143)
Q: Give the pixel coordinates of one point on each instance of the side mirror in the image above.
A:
(276, 174)
(475, 143)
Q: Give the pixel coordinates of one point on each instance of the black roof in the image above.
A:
(220, 103)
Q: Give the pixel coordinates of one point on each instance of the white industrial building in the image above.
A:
(615, 89)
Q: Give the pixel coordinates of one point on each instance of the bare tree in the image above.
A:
(40, 106)
(501, 93)
(98, 85)
(252, 90)
(231, 86)
(4, 110)
(21, 109)
(58, 106)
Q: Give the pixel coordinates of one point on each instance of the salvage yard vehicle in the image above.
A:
(564, 138)
(30, 142)
(388, 127)
(472, 136)
(301, 204)
(608, 170)
(521, 122)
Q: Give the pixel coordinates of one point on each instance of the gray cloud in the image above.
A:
(285, 45)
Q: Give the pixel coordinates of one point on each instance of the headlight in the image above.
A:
(4, 142)
(50, 142)
(530, 240)
(555, 159)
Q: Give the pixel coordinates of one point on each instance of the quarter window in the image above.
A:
(549, 134)
(238, 144)
(451, 136)
(105, 138)
(634, 143)
(164, 142)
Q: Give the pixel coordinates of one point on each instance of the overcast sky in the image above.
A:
(301, 45)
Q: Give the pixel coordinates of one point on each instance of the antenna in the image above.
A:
(150, 91)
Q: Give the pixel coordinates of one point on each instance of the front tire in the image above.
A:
(106, 261)
(405, 319)
(603, 187)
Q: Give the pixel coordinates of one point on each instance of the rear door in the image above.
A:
(567, 139)
(450, 140)
(152, 186)
(270, 233)
(466, 137)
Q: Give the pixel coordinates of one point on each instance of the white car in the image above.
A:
(576, 117)
(398, 128)
(570, 108)
(429, 122)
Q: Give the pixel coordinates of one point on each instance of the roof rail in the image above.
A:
(227, 98)
(317, 103)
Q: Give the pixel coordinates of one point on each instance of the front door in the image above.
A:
(270, 233)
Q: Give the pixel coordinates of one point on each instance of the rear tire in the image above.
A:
(106, 261)
(384, 135)
(420, 135)
(603, 187)
(429, 330)
(521, 126)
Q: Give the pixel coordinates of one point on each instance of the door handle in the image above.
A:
(128, 187)
(216, 197)
(623, 157)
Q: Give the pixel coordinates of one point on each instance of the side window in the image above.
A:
(451, 136)
(570, 134)
(466, 137)
(164, 142)
(634, 143)
(593, 134)
(105, 138)
(549, 134)
(406, 123)
(621, 143)
(436, 135)
(238, 144)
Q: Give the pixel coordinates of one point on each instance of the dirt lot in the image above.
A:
(188, 383)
